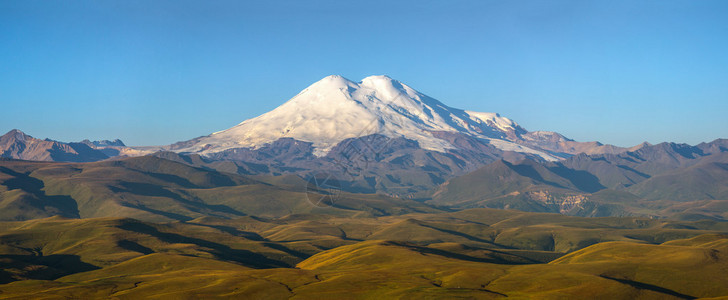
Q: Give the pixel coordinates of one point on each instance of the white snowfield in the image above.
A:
(335, 108)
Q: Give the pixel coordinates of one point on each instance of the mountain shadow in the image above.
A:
(62, 205)
(582, 180)
(646, 286)
(152, 190)
(222, 252)
(40, 267)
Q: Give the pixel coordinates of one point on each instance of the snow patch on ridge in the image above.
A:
(495, 119)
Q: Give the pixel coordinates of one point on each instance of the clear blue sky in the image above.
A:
(157, 72)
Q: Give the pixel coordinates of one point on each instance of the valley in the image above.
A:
(481, 253)
(147, 227)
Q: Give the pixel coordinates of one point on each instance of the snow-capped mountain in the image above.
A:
(376, 135)
(335, 109)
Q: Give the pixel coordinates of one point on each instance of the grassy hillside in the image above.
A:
(477, 253)
(542, 187)
(707, 181)
(155, 189)
(153, 228)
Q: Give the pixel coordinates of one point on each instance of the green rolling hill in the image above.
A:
(477, 253)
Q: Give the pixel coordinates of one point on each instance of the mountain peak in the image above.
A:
(377, 82)
(335, 108)
(17, 135)
(336, 81)
(640, 146)
(18, 145)
(384, 85)
(103, 143)
(378, 78)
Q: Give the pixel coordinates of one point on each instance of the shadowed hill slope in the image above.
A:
(477, 253)
(659, 181)
(155, 189)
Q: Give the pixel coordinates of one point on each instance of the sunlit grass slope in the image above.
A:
(478, 253)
